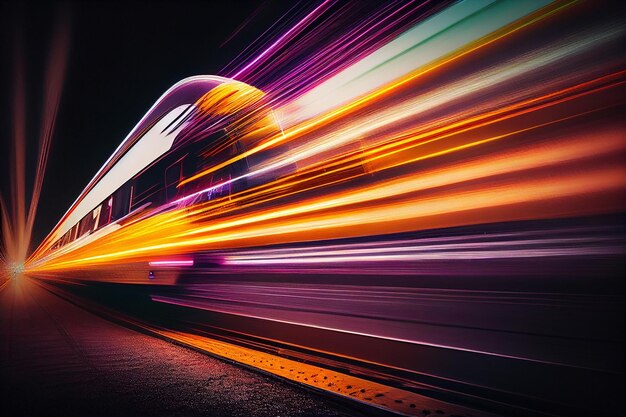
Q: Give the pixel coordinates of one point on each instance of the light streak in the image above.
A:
(425, 43)
(172, 262)
(397, 151)
(18, 221)
(406, 252)
(346, 110)
(295, 221)
(406, 153)
(307, 20)
(14, 236)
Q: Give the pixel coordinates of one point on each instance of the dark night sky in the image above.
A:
(122, 57)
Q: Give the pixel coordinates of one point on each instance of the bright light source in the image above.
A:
(16, 269)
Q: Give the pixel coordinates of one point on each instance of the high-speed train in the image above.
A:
(197, 124)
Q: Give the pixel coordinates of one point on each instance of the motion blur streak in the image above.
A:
(285, 37)
(439, 122)
(394, 205)
(14, 219)
(436, 61)
(431, 195)
(418, 46)
(17, 225)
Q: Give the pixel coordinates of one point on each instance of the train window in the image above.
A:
(173, 175)
(121, 202)
(105, 212)
(84, 225)
(146, 186)
(74, 233)
(95, 215)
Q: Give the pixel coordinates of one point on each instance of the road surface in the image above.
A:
(58, 359)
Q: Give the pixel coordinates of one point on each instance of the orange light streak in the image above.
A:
(529, 166)
(349, 108)
(393, 205)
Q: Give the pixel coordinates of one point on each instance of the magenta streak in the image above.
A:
(172, 262)
(311, 16)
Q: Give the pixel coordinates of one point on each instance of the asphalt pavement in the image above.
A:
(57, 359)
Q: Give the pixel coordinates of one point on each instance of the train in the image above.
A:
(198, 123)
